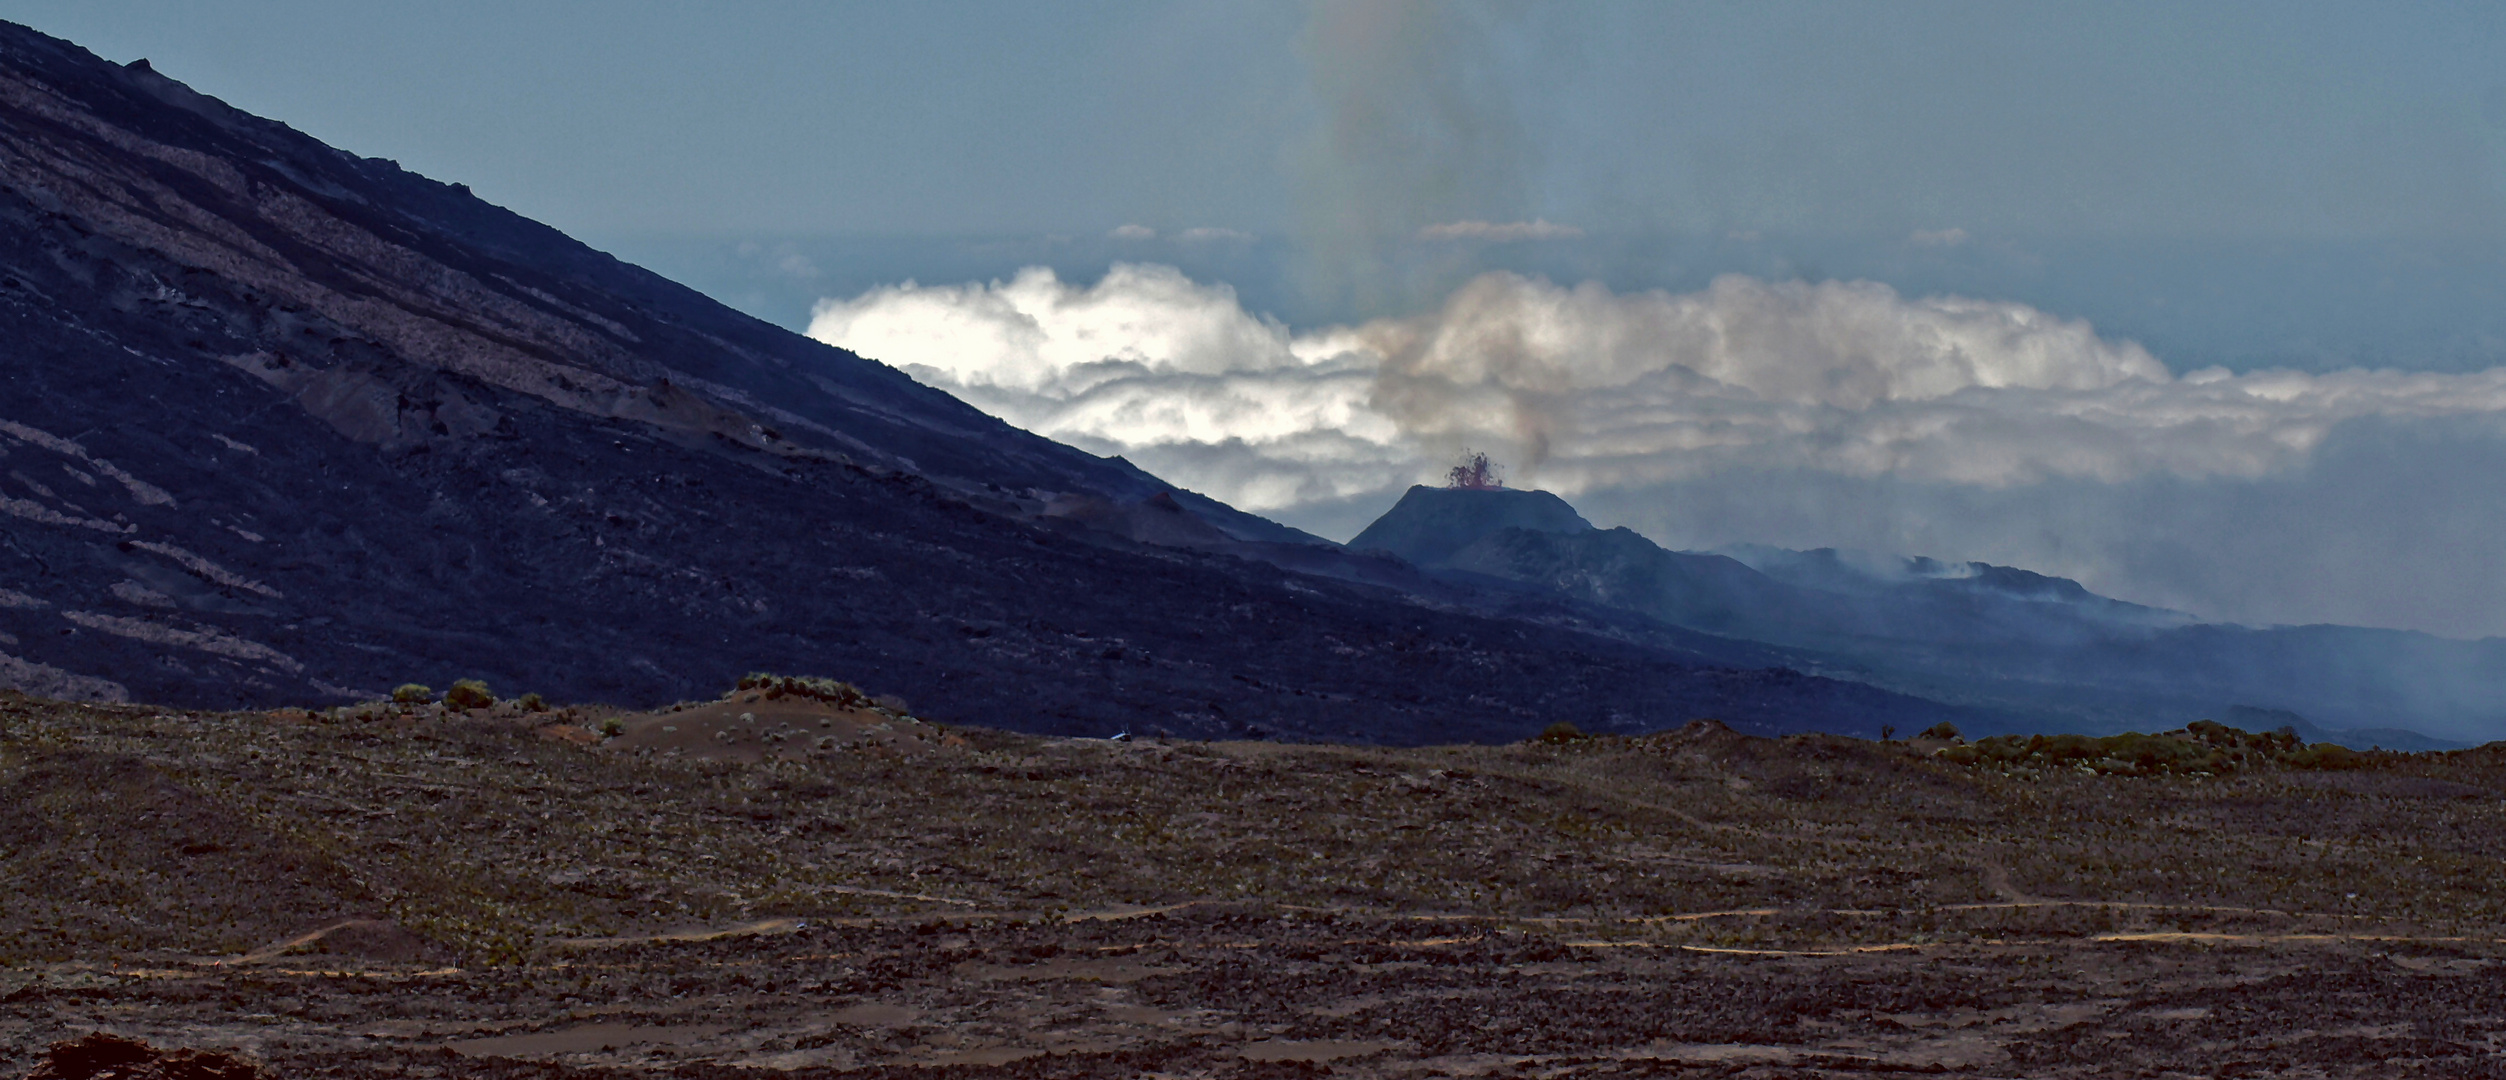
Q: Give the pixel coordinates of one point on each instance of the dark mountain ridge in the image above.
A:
(365, 257)
(2039, 652)
(286, 425)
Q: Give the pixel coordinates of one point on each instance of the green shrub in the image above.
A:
(413, 694)
(1562, 732)
(2324, 755)
(469, 694)
(1942, 730)
(532, 703)
(776, 686)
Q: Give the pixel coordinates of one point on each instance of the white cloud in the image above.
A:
(1593, 388)
(1148, 364)
(1600, 389)
(1500, 232)
(1844, 386)
(1133, 232)
(1950, 237)
(1212, 234)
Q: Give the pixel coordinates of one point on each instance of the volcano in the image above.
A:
(283, 424)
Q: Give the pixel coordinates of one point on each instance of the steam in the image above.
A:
(1836, 401)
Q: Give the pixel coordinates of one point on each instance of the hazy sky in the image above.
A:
(2260, 119)
(2203, 304)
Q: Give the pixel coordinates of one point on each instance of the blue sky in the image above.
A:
(2036, 228)
(2272, 183)
(2288, 119)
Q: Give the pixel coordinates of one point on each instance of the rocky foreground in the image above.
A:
(797, 879)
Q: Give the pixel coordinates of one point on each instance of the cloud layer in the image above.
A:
(1175, 375)
(1840, 386)
(1597, 389)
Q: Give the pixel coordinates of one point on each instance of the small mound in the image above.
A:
(107, 851)
(782, 718)
(370, 939)
(1704, 735)
(111, 1057)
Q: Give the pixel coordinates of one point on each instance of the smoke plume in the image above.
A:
(1419, 129)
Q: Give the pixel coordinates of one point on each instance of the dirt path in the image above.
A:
(764, 927)
(277, 949)
(1178, 990)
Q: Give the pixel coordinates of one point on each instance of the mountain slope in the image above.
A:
(2042, 650)
(1429, 524)
(280, 424)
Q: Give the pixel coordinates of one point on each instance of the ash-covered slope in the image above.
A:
(281, 424)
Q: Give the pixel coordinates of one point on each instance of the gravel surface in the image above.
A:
(410, 891)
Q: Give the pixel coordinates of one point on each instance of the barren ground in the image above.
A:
(373, 894)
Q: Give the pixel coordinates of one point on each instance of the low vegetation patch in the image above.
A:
(2204, 748)
(469, 694)
(775, 687)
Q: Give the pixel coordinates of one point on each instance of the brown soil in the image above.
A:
(459, 895)
(106, 1057)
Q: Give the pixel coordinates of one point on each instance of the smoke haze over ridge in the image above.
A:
(1827, 414)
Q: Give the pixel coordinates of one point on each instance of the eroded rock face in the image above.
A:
(282, 425)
